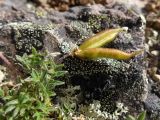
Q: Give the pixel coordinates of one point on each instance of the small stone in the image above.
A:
(147, 47)
(1, 76)
(150, 7)
(63, 7)
(155, 33)
(156, 77)
(155, 52)
(84, 2)
(152, 106)
(154, 23)
(152, 71)
(152, 42)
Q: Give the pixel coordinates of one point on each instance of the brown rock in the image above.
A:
(150, 7)
(63, 7)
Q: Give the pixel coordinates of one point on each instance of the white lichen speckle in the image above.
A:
(93, 112)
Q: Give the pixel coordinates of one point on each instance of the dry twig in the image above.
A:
(4, 59)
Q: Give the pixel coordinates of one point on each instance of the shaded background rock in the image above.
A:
(151, 12)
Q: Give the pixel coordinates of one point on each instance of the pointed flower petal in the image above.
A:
(94, 53)
(101, 38)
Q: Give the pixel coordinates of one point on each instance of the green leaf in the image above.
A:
(21, 97)
(1, 117)
(43, 75)
(7, 97)
(9, 109)
(142, 116)
(37, 115)
(58, 73)
(19, 58)
(57, 83)
(34, 51)
(58, 67)
(16, 111)
(12, 102)
(35, 75)
(1, 93)
(24, 61)
(22, 111)
(11, 118)
(129, 117)
(66, 107)
(25, 100)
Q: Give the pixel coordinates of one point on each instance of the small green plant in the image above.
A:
(64, 111)
(141, 116)
(30, 98)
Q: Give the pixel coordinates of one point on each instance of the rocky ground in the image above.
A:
(128, 87)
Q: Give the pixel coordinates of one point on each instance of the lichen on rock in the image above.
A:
(110, 80)
(106, 80)
(27, 35)
(93, 111)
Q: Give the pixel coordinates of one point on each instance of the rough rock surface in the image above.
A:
(107, 80)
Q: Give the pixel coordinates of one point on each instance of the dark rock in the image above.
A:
(107, 80)
(152, 105)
